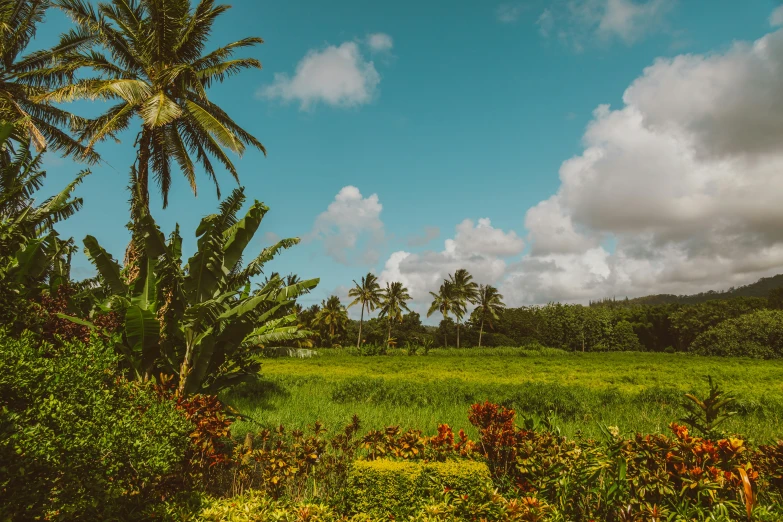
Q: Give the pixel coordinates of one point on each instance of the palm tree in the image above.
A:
(445, 302)
(148, 56)
(368, 293)
(23, 79)
(333, 315)
(393, 303)
(466, 291)
(490, 303)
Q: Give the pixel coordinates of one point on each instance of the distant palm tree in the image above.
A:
(23, 79)
(149, 56)
(333, 315)
(466, 291)
(445, 302)
(490, 303)
(368, 294)
(393, 303)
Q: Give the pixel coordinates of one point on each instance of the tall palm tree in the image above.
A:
(368, 294)
(445, 302)
(490, 303)
(393, 303)
(23, 79)
(333, 315)
(149, 57)
(466, 291)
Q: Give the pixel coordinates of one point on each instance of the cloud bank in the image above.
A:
(676, 191)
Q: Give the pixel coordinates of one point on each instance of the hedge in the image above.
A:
(385, 488)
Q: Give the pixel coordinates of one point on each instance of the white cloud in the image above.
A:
(676, 191)
(776, 18)
(380, 42)
(479, 247)
(509, 13)
(545, 22)
(629, 20)
(682, 183)
(575, 22)
(337, 76)
(428, 235)
(351, 228)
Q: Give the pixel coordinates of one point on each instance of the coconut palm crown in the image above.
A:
(369, 295)
(147, 57)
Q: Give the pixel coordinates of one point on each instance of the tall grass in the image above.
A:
(635, 391)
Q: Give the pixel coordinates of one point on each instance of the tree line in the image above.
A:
(709, 327)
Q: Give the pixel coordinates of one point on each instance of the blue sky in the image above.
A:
(460, 110)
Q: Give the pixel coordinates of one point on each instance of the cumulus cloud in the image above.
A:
(574, 22)
(351, 228)
(476, 246)
(380, 42)
(336, 75)
(776, 18)
(425, 237)
(676, 191)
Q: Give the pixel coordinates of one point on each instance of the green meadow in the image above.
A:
(577, 392)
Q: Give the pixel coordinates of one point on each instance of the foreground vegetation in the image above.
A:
(638, 392)
(81, 442)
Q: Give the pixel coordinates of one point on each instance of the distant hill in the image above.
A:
(760, 288)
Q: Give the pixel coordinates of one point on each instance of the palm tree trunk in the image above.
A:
(140, 205)
(457, 334)
(144, 168)
(481, 332)
(388, 336)
(361, 320)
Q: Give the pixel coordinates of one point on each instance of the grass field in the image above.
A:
(635, 391)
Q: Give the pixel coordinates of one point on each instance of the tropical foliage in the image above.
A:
(489, 304)
(149, 58)
(367, 294)
(393, 302)
(332, 316)
(200, 321)
(33, 258)
(26, 80)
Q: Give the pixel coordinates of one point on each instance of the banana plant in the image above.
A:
(201, 321)
(32, 256)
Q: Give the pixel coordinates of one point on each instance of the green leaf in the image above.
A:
(143, 333)
(76, 320)
(106, 265)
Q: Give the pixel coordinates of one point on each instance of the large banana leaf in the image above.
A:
(239, 236)
(106, 265)
(203, 349)
(142, 330)
(283, 294)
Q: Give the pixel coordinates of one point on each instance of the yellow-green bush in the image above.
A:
(254, 506)
(381, 488)
(462, 476)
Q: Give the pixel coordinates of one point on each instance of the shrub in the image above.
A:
(499, 339)
(386, 488)
(79, 442)
(758, 334)
(253, 506)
